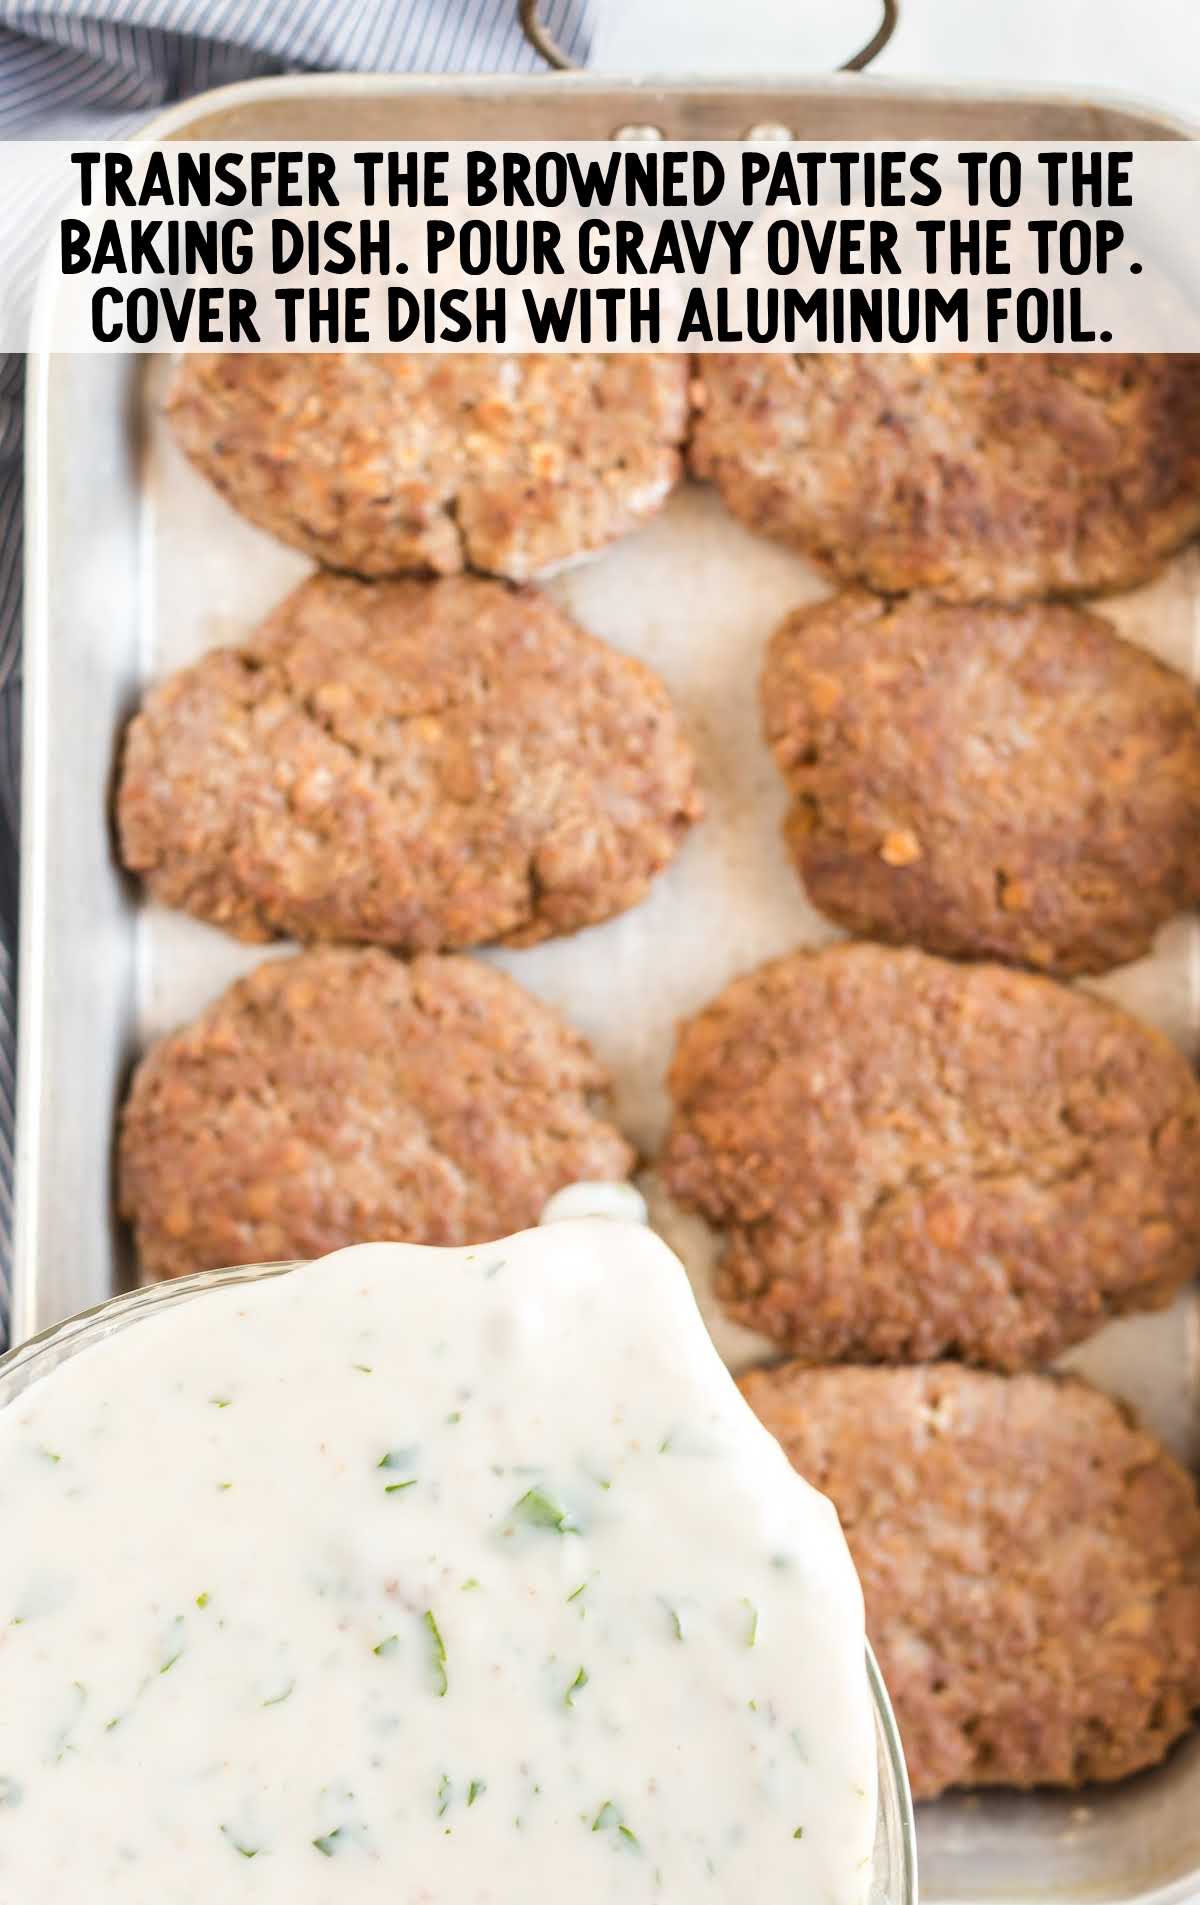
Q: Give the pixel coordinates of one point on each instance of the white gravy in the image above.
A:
(433, 1577)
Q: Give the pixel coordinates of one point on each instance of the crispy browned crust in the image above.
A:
(387, 465)
(984, 478)
(343, 1097)
(1030, 1563)
(421, 764)
(1018, 784)
(914, 1159)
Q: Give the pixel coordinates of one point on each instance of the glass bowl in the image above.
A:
(894, 1874)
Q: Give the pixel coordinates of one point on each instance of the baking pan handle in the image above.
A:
(552, 52)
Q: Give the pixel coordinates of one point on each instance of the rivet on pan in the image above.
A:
(638, 132)
(768, 130)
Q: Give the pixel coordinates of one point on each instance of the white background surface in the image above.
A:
(1149, 49)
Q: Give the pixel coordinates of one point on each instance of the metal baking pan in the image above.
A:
(134, 566)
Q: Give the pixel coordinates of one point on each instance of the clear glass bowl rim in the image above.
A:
(895, 1875)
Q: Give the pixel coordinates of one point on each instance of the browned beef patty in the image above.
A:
(980, 477)
(342, 1097)
(421, 764)
(913, 1158)
(1011, 783)
(388, 465)
(1030, 1562)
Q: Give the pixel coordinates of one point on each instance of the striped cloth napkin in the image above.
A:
(98, 69)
